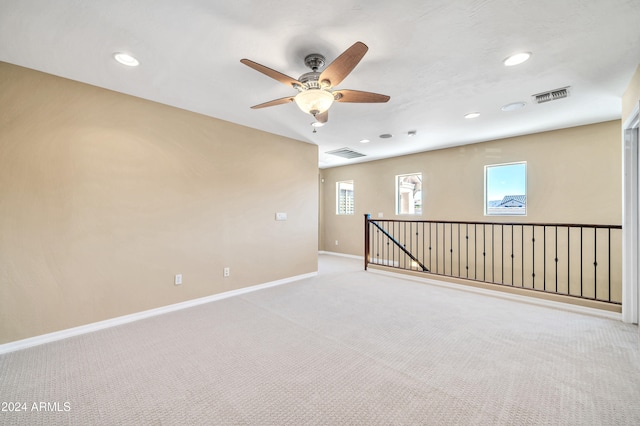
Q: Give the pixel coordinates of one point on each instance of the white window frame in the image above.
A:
(347, 210)
(630, 215)
(411, 204)
(495, 212)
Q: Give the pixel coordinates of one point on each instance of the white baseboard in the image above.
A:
(88, 328)
(516, 297)
(333, 253)
(385, 262)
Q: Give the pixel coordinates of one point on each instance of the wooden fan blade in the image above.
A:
(357, 96)
(343, 64)
(282, 78)
(322, 117)
(274, 102)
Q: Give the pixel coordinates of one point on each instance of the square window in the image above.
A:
(505, 190)
(409, 194)
(344, 197)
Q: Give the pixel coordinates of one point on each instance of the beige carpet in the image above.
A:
(347, 347)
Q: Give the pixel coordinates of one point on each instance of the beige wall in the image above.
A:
(104, 197)
(631, 96)
(574, 176)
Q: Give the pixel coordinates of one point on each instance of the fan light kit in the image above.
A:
(314, 101)
(316, 91)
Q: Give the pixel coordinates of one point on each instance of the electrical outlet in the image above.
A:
(336, 242)
(178, 279)
(226, 272)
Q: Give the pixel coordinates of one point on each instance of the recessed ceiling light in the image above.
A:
(472, 115)
(513, 106)
(365, 141)
(411, 133)
(516, 59)
(126, 59)
(386, 135)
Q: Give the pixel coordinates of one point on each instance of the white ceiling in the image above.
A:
(437, 59)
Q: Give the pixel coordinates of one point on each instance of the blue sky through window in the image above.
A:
(506, 179)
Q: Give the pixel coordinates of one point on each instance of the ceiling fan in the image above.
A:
(316, 90)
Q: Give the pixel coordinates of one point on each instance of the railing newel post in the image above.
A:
(367, 218)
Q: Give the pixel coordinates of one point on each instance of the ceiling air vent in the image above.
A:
(345, 153)
(551, 95)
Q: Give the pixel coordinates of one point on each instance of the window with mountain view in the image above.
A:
(505, 191)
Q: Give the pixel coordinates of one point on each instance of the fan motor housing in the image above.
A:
(310, 80)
